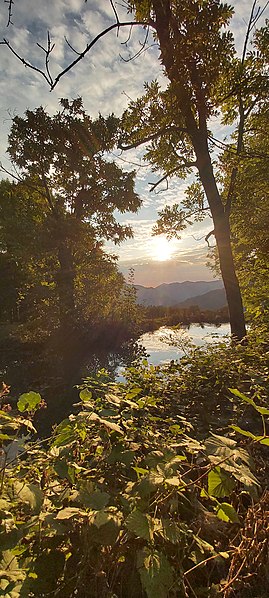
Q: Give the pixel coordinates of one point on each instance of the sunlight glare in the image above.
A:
(162, 250)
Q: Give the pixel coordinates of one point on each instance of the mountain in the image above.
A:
(212, 300)
(175, 292)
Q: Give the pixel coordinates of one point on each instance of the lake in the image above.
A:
(160, 351)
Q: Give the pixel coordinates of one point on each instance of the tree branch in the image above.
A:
(92, 43)
(46, 74)
(10, 4)
(170, 173)
(149, 138)
(210, 234)
(242, 116)
(24, 62)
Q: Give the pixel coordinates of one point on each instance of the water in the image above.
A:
(160, 351)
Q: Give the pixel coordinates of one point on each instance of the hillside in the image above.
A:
(176, 293)
(212, 300)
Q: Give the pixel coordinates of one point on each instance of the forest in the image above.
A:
(153, 484)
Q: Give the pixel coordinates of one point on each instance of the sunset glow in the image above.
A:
(162, 250)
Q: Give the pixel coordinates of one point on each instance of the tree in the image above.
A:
(250, 218)
(205, 79)
(62, 158)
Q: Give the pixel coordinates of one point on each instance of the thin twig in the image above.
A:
(10, 3)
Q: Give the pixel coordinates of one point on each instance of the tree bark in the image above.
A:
(223, 240)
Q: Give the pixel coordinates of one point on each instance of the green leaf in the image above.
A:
(226, 512)
(219, 483)
(97, 500)
(70, 512)
(85, 395)
(29, 494)
(29, 401)
(155, 572)
(265, 441)
(245, 433)
(5, 437)
(240, 395)
(170, 531)
(140, 524)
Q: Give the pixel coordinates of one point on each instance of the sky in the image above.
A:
(105, 79)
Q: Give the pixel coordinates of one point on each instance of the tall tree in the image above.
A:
(63, 157)
(205, 79)
(250, 216)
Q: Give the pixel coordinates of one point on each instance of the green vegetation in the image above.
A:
(154, 316)
(156, 487)
(132, 495)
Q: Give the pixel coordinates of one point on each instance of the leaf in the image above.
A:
(70, 512)
(219, 483)
(85, 395)
(29, 494)
(245, 433)
(155, 572)
(97, 500)
(106, 423)
(119, 454)
(64, 470)
(173, 481)
(240, 395)
(29, 401)
(170, 531)
(105, 526)
(265, 441)
(226, 512)
(4, 437)
(140, 524)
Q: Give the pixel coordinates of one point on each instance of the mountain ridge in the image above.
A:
(175, 293)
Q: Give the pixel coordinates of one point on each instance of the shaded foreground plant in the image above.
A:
(123, 500)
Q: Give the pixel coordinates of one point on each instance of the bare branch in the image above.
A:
(46, 74)
(128, 38)
(116, 15)
(92, 43)
(27, 64)
(71, 47)
(10, 4)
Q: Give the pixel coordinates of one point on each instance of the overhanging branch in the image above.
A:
(81, 55)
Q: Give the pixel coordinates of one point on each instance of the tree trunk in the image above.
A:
(223, 240)
(65, 283)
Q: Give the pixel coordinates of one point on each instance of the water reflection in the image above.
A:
(158, 344)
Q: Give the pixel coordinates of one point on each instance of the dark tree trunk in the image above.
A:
(223, 240)
(65, 283)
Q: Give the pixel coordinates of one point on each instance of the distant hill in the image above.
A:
(176, 293)
(212, 300)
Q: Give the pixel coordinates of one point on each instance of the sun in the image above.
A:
(162, 249)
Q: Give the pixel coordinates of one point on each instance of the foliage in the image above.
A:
(124, 493)
(206, 80)
(250, 217)
(68, 195)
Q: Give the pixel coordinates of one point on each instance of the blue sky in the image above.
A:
(105, 82)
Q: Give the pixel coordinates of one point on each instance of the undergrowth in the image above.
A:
(130, 497)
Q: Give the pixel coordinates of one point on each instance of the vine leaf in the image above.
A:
(219, 483)
(140, 524)
(226, 512)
